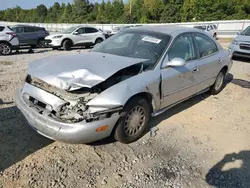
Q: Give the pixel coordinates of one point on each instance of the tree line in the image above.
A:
(134, 11)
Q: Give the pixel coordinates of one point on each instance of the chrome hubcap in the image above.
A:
(134, 121)
(4, 49)
(219, 81)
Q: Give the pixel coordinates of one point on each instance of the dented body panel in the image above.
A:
(71, 72)
(119, 94)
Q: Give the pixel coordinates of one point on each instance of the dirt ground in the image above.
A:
(203, 142)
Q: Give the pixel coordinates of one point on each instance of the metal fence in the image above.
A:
(226, 29)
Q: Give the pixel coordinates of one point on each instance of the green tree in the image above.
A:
(171, 14)
(42, 12)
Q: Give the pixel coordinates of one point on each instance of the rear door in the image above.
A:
(179, 83)
(210, 60)
(20, 34)
(91, 34)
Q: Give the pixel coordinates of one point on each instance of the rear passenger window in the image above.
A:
(183, 48)
(206, 46)
(29, 29)
(17, 29)
(90, 30)
(1, 28)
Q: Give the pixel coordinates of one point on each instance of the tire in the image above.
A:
(40, 43)
(5, 49)
(67, 44)
(138, 110)
(215, 36)
(219, 83)
(99, 40)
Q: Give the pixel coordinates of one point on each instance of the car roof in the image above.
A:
(20, 25)
(165, 29)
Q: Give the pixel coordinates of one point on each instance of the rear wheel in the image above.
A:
(133, 121)
(67, 44)
(5, 49)
(219, 82)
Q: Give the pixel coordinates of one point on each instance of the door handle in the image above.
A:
(196, 69)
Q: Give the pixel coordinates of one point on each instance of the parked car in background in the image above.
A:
(116, 87)
(211, 29)
(30, 35)
(76, 36)
(8, 40)
(240, 45)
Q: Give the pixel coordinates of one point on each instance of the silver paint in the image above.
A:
(71, 72)
(166, 86)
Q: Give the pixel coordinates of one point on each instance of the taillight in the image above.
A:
(12, 34)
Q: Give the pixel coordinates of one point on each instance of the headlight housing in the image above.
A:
(235, 42)
(57, 37)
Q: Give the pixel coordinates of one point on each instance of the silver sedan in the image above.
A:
(114, 89)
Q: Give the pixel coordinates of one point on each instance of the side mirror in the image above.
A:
(176, 62)
(238, 33)
(76, 33)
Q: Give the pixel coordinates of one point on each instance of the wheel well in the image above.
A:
(3, 41)
(67, 39)
(147, 96)
(224, 69)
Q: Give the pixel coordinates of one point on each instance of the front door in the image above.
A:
(179, 83)
(80, 37)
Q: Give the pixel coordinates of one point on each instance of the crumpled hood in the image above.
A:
(72, 72)
(243, 38)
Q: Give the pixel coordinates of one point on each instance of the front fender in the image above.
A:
(119, 94)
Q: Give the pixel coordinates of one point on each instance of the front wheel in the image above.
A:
(5, 49)
(133, 121)
(99, 40)
(219, 82)
(67, 44)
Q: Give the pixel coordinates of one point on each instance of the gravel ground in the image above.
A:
(203, 142)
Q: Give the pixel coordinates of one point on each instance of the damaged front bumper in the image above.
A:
(81, 132)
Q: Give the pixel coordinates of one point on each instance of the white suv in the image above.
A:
(8, 40)
(211, 29)
(75, 36)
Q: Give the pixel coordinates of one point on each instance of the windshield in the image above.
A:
(136, 44)
(246, 31)
(69, 30)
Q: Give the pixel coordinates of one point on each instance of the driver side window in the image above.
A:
(81, 30)
(183, 48)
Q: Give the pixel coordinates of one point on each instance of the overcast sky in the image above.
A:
(27, 4)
